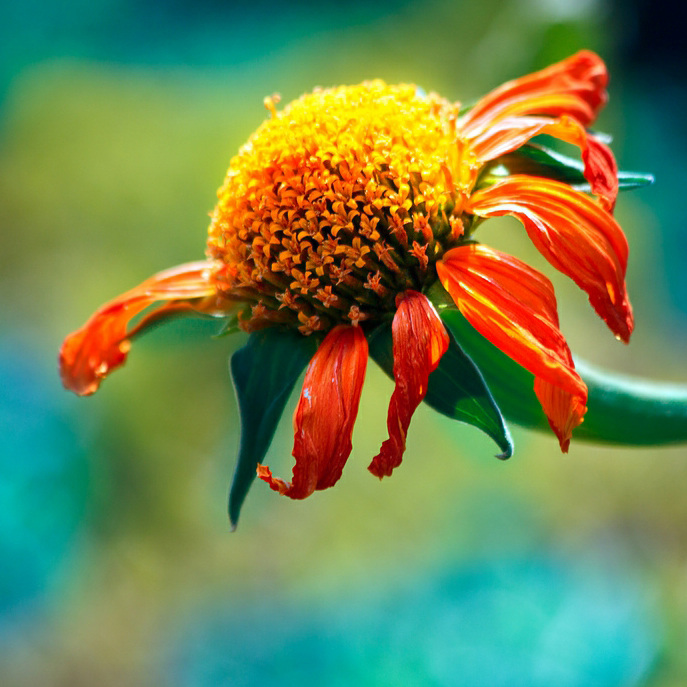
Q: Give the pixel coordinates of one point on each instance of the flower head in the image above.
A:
(354, 211)
(337, 204)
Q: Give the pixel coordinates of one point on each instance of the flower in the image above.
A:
(356, 207)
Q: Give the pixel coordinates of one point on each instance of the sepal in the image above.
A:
(230, 325)
(538, 160)
(455, 389)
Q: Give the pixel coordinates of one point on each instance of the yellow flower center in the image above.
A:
(336, 204)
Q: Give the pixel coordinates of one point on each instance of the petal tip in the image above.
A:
(383, 463)
(83, 366)
(265, 474)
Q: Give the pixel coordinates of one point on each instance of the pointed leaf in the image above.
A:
(539, 160)
(264, 372)
(456, 388)
(621, 410)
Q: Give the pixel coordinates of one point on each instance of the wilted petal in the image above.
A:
(325, 414)
(89, 354)
(573, 233)
(513, 306)
(575, 86)
(419, 342)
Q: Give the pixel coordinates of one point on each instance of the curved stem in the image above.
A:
(629, 411)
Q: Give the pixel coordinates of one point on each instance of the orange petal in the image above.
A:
(506, 135)
(325, 414)
(89, 354)
(419, 342)
(514, 307)
(575, 86)
(573, 233)
(564, 410)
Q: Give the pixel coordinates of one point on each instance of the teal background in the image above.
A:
(117, 122)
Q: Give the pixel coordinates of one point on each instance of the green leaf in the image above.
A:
(621, 410)
(539, 160)
(264, 372)
(456, 388)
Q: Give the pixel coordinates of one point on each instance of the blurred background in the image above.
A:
(118, 119)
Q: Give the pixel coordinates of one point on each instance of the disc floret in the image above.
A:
(337, 204)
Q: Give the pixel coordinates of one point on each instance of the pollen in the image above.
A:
(337, 203)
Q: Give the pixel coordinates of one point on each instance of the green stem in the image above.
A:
(627, 411)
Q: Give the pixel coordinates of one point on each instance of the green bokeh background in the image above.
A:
(117, 122)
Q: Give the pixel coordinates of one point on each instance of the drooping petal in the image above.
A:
(514, 307)
(573, 233)
(325, 414)
(575, 86)
(264, 373)
(89, 354)
(507, 135)
(564, 410)
(419, 342)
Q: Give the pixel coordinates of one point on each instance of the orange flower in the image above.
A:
(348, 209)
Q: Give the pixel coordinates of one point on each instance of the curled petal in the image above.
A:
(507, 135)
(419, 342)
(89, 354)
(513, 306)
(325, 414)
(574, 234)
(575, 86)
